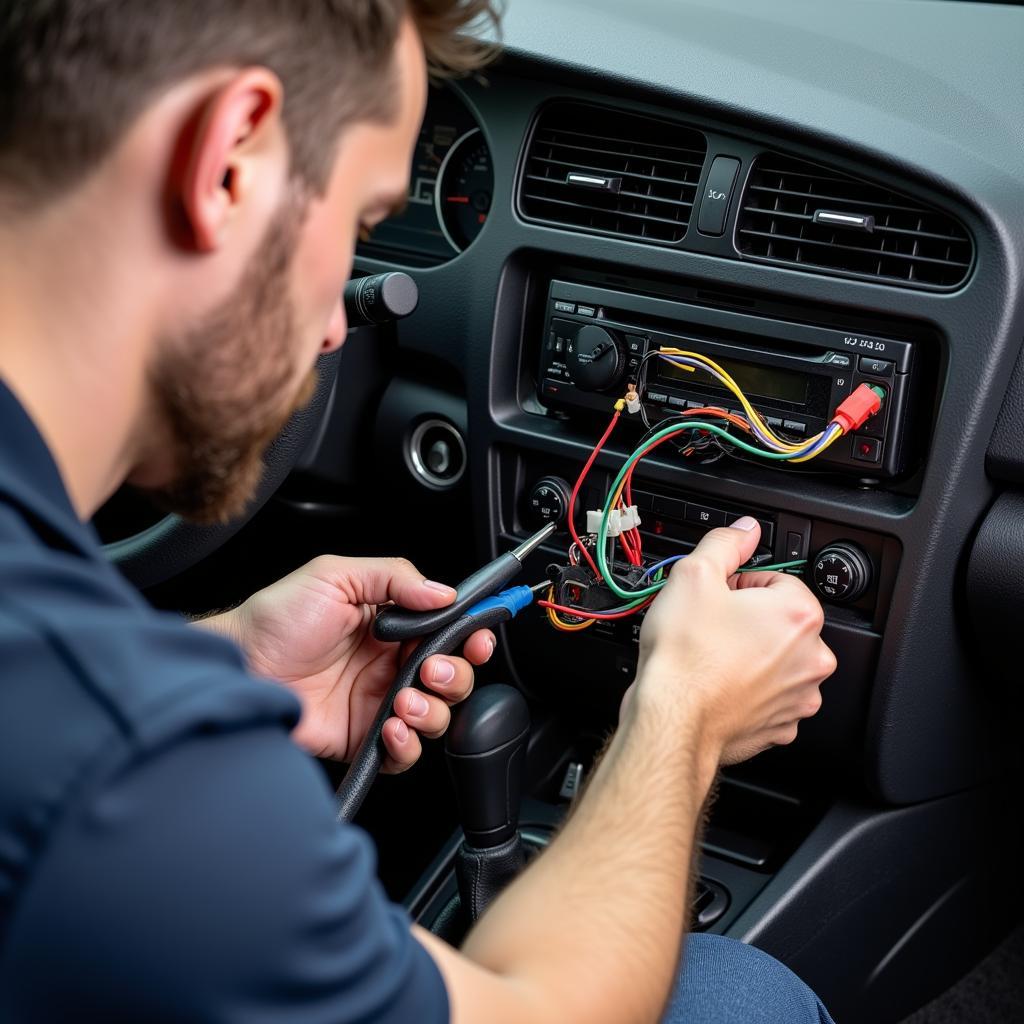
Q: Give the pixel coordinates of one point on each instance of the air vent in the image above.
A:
(798, 212)
(610, 172)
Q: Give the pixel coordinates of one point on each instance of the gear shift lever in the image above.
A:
(486, 752)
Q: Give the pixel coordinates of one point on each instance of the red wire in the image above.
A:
(581, 613)
(628, 543)
(634, 542)
(632, 545)
(627, 547)
(576, 490)
(635, 533)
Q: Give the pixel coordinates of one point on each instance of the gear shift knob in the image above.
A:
(486, 752)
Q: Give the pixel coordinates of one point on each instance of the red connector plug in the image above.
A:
(856, 409)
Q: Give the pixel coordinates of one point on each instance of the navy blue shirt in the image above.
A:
(166, 852)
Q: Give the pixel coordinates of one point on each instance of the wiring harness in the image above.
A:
(587, 589)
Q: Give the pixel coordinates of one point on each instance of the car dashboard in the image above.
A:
(820, 196)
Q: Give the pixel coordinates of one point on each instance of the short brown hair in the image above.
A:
(75, 74)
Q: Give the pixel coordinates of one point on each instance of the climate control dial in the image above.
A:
(548, 501)
(596, 359)
(841, 572)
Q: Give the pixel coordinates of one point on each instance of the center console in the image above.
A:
(806, 845)
(587, 339)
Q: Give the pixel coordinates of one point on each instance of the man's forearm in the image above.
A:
(594, 927)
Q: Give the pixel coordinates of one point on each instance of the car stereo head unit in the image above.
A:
(597, 342)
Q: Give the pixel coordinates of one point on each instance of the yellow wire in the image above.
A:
(560, 624)
(731, 384)
(831, 441)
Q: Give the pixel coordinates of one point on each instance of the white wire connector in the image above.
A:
(619, 521)
(614, 522)
(632, 401)
(630, 518)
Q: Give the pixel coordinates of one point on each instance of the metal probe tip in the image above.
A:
(535, 541)
(539, 588)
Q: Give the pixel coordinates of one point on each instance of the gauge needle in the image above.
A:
(458, 199)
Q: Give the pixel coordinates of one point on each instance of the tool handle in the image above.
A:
(370, 756)
(396, 624)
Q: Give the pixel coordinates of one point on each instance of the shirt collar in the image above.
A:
(30, 479)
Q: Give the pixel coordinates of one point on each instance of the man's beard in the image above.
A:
(221, 388)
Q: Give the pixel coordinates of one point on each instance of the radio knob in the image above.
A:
(596, 359)
(842, 572)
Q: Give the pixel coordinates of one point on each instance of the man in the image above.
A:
(181, 186)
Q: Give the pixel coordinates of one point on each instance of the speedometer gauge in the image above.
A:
(466, 185)
(451, 182)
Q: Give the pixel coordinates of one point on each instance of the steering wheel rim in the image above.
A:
(172, 545)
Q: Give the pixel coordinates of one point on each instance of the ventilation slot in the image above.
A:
(612, 173)
(799, 212)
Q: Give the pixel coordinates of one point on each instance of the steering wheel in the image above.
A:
(173, 545)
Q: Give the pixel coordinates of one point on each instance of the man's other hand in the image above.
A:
(311, 631)
(743, 651)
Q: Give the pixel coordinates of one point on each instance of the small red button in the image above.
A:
(867, 449)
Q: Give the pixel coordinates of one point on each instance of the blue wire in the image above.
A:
(660, 565)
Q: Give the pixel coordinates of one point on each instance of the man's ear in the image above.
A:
(233, 152)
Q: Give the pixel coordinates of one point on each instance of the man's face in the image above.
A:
(226, 388)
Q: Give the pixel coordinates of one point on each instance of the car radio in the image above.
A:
(597, 342)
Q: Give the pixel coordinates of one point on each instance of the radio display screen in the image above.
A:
(766, 382)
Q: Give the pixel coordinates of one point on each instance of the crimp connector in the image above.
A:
(856, 409)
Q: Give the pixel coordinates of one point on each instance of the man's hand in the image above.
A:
(743, 649)
(311, 632)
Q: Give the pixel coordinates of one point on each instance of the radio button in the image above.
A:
(795, 426)
(837, 359)
(876, 367)
(553, 388)
(565, 307)
(704, 516)
(679, 403)
(774, 421)
(767, 527)
(636, 343)
(657, 396)
(671, 508)
(867, 449)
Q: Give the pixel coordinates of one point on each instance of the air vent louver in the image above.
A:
(798, 212)
(611, 172)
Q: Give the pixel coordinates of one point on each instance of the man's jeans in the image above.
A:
(727, 982)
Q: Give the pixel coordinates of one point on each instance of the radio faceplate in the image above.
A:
(596, 342)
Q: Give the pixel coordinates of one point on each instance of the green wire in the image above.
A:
(776, 567)
(602, 561)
